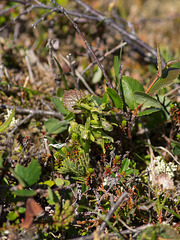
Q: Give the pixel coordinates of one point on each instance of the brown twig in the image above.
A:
(25, 120)
(112, 210)
(142, 47)
(32, 111)
(103, 57)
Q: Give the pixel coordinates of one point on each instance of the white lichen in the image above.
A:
(13, 121)
(160, 166)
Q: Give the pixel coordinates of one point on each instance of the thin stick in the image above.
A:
(103, 57)
(112, 210)
(31, 76)
(25, 120)
(33, 111)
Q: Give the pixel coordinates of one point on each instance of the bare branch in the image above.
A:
(32, 111)
(142, 47)
(62, 10)
(112, 210)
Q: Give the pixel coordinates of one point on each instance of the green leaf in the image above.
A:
(116, 66)
(176, 147)
(125, 164)
(24, 193)
(146, 100)
(59, 182)
(21, 210)
(7, 122)
(59, 128)
(12, 216)
(51, 123)
(50, 183)
(59, 105)
(85, 106)
(69, 117)
(52, 198)
(148, 111)
(97, 99)
(66, 183)
(129, 86)
(29, 174)
(107, 126)
(105, 98)
(167, 78)
(176, 150)
(115, 98)
(97, 76)
(129, 171)
(175, 142)
(20, 180)
(54, 126)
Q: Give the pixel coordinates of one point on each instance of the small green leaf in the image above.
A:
(59, 182)
(176, 150)
(85, 106)
(66, 183)
(129, 86)
(24, 193)
(12, 216)
(148, 111)
(53, 196)
(98, 100)
(20, 180)
(129, 171)
(54, 126)
(21, 210)
(50, 183)
(115, 98)
(97, 76)
(50, 197)
(29, 174)
(51, 123)
(176, 147)
(116, 66)
(107, 126)
(125, 164)
(59, 105)
(146, 100)
(105, 98)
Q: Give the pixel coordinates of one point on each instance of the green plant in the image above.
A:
(27, 176)
(158, 231)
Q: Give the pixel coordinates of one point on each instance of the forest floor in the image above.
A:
(76, 205)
